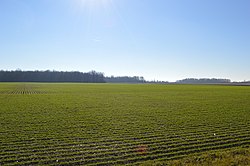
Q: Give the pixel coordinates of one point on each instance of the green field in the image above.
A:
(50, 124)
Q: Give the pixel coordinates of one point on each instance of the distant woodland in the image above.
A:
(125, 79)
(95, 77)
(203, 81)
(61, 76)
(51, 76)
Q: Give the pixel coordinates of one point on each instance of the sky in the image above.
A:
(164, 40)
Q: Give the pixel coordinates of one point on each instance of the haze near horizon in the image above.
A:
(164, 40)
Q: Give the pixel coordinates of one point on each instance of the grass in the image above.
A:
(89, 124)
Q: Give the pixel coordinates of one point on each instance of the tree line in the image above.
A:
(125, 79)
(51, 76)
(203, 81)
(91, 77)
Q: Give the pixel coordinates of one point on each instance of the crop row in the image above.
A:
(126, 157)
(103, 144)
(99, 146)
(99, 151)
(117, 138)
(23, 92)
(22, 89)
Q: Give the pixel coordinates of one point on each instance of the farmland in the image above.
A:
(110, 124)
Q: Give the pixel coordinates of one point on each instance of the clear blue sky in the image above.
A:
(158, 39)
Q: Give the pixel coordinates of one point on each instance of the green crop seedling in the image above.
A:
(110, 124)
